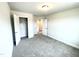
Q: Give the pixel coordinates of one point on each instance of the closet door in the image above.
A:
(17, 29)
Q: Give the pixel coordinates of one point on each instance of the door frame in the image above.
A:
(26, 26)
(13, 30)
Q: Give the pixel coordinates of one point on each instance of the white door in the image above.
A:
(45, 27)
(17, 29)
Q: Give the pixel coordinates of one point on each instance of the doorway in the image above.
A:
(45, 27)
(23, 27)
(41, 26)
(19, 28)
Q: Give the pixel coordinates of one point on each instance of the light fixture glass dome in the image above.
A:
(45, 6)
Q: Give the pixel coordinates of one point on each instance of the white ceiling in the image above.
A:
(35, 7)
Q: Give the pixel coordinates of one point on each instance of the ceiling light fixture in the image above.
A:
(45, 6)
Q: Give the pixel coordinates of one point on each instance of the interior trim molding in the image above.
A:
(70, 44)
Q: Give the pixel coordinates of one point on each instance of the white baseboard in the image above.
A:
(70, 44)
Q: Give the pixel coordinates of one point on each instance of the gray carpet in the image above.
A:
(42, 46)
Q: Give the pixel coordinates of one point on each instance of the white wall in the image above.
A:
(6, 41)
(64, 26)
(30, 21)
